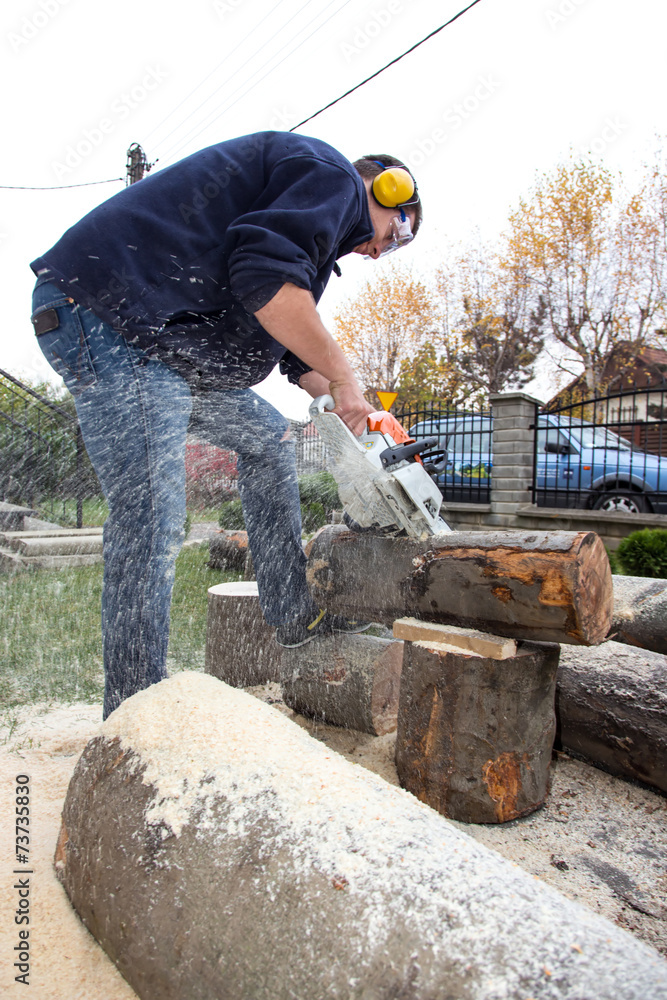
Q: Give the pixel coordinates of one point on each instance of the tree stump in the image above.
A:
(475, 734)
(241, 648)
(547, 586)
(214, 849)
(229, 550)
(351, 681)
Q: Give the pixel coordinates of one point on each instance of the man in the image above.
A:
(160, 309)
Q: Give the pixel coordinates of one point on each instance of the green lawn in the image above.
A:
(50, 644)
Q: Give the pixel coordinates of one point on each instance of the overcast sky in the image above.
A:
(504, 93)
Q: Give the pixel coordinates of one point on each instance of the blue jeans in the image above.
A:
(134, 413)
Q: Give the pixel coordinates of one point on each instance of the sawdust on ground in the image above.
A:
(599, 840)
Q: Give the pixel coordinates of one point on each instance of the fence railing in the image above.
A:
(605, 453)
(42, 458)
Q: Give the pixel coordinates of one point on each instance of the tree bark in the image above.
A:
(640, 612)
(241, 648)
(214, 849)
(475, 734)
(346, 680)
(611, 706)
(547, 586)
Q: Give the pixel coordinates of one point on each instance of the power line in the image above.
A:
(392, 63)
(213, 71)
(56, 187)
(213, 116)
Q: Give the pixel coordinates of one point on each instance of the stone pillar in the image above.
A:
(512, 472)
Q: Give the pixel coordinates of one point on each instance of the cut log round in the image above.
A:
(346, 680)
(611, 705)
(229, 550)
(640, 612)
(214, 849)
(475, 734)
(547, 586)
(241, 648)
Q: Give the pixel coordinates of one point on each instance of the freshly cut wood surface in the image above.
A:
(549, 586)
(494, 646)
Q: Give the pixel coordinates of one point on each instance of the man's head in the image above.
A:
(388, 220)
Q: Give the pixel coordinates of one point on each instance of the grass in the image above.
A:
(51, 648)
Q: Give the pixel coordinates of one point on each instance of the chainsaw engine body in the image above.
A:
(379, 488)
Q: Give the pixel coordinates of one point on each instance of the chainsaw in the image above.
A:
(382, 482)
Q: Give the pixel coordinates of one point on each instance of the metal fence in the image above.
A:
(605, 453)
(42, 458)
(461, 459)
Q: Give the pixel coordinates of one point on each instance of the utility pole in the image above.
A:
(137, 164)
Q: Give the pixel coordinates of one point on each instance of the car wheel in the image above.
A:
(622, 503)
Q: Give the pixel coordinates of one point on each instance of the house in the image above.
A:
(635, 401)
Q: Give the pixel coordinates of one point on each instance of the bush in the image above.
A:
(644, 553)
(231, 516)
(319, 497)
(319, 488)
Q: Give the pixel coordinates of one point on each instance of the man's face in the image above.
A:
(387, 226)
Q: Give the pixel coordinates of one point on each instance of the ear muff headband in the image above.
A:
(393, 187)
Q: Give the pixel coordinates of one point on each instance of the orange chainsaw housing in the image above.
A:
(386, 423)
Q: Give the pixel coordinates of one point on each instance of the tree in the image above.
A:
(591, 254)
(385, 326)
(496, 335)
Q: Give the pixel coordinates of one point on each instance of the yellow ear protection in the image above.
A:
(394, 186)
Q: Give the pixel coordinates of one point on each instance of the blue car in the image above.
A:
(579, 464)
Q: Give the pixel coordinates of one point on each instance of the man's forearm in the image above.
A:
(292, 319)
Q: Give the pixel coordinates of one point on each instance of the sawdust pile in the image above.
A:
(599, 840)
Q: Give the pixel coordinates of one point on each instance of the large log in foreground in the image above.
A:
(214, 849)
(549, 586)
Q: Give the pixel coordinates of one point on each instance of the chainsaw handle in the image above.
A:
(403, 452)
(320, 404)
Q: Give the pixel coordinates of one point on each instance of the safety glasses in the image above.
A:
(401, 234)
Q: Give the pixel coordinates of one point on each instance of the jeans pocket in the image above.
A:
(66, 348)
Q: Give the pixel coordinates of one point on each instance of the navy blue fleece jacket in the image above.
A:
(180, 261)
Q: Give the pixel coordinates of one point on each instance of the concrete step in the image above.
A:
(12, 561)
(62, 542)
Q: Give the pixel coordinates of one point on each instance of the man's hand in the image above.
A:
(292, 319)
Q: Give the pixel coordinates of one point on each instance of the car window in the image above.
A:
(473, 442)
(553, 436)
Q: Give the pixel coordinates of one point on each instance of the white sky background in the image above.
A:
(504, 93)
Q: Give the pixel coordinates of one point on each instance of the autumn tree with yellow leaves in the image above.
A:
(389, 322)
(589, 254)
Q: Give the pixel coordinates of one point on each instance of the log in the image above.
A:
(214, 849)
(229, 550)
(547, 586)
(346, 680)
(611, 706)
(640, 612)
(475, 734)
(241, 648)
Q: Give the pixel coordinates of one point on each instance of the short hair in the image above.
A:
(371, 165)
